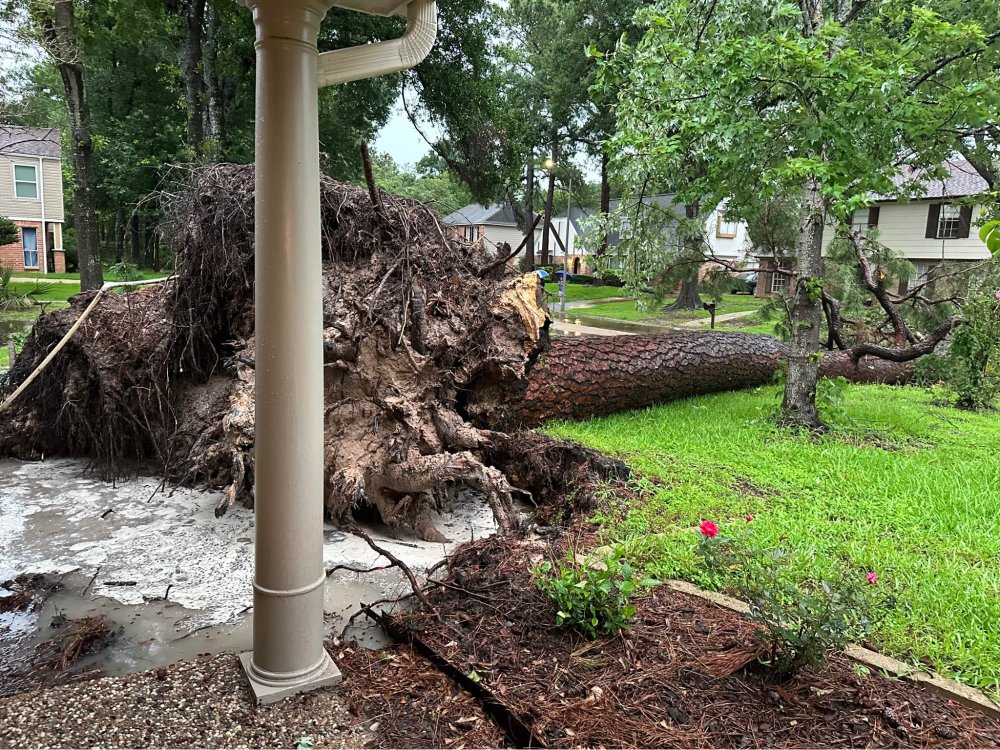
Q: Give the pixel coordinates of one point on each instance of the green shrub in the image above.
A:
(591, 595)
(972, 358)
(802, 617)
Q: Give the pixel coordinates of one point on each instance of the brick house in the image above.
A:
(31, 195)
(932, 227)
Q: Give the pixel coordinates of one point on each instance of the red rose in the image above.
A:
(709, 529)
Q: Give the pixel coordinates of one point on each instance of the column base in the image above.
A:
(326, 676)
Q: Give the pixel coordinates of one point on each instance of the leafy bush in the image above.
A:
(125, 271)
(591, 596)
(610, 278)
(801, 618)
(8, 231)
(972, 359)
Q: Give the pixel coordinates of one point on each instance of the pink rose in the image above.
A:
(709, 529)
(872, 578)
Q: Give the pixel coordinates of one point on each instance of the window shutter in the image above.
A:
(964, 222)
(873, 216)
(933, 216)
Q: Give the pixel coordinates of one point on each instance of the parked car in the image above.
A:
(745, 283)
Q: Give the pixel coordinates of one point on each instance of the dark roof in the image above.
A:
(476, 214)
(15, 140)
(962, 180)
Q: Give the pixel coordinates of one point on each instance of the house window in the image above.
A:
(29, 242)
(25, 181)
(779, 283)
(859, 222)
(471, 234)
(922, 273)
(725, 228)
(949, 222)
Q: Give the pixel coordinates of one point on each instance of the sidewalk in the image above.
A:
(702, 322)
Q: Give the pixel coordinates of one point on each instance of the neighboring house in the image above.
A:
(937, 225)
(31, 195)
(580, 260)
(494, 225)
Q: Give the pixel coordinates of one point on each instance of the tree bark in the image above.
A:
(689, 299)
(211, 77)
(194, 83)
(60, 39)
(799, 404)
(549, 202)
(578, 378)
(529, 213)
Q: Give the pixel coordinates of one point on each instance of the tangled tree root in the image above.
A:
(417, 325)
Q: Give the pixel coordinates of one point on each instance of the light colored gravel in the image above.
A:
(202, 703)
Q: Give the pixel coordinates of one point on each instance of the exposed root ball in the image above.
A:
(414, 319)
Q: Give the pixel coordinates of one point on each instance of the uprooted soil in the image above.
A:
(685, 674)
(415, 321)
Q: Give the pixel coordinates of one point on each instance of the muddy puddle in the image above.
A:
(172, 581)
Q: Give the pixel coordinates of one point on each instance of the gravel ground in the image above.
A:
(202, 703)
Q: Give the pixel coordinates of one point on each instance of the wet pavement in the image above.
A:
(174, 581)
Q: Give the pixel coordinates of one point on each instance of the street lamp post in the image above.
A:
(288, 655)
(569, 221)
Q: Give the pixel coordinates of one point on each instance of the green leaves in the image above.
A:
(990, 234)
(591, 594)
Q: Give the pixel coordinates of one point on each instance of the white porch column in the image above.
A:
(288, 654)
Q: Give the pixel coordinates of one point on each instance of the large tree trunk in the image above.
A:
(194, 82)
(529, 212)
(60, 39)
(549, 202)
(691, 253)
(802, 375)
(578, 378)
(214, 95)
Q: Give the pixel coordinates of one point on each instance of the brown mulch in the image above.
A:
(407, 702)
(684, 675)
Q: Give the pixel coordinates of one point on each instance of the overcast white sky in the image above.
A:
(400, 139)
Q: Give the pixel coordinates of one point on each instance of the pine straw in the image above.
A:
(410, 703)
(84, 636)
(679, 677)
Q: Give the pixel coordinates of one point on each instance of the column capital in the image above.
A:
(298, 20)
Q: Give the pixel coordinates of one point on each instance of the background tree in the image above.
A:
(822, 98)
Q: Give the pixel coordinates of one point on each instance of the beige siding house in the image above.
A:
(31, 195)
(935, 226)
(494, 225)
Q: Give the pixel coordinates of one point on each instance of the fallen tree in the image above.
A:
(431, 359)
(576, 378)
(415, 320)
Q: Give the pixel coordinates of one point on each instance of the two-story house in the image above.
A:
(31, 195)
(495, 225)
(934, 226)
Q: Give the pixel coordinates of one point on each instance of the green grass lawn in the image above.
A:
(920, 505)
(585, 292)
(730, 303)
(143, 273)
(53, 293)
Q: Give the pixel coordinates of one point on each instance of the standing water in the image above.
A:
(172, 580)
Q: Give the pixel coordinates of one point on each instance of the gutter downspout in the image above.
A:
(380, 58)
(289, 578)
